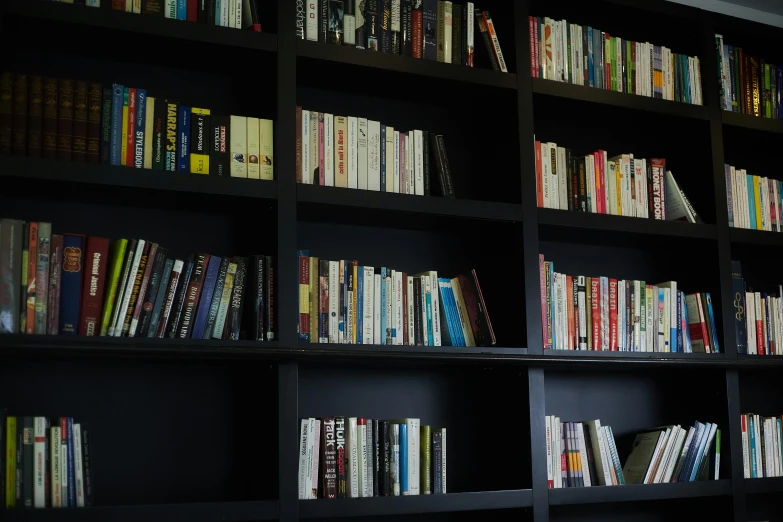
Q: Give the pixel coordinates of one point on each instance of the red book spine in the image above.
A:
(129, 154)
(53, 299)
(761, 340)
(142, 289)
(96, 262)
(705, 336)
(193, 10)
(613, 315)
(32, 266)
(304, 298)
(542, 288)
(572, 318)
(417, 38)
(118, 5)
(539, 181)
(595, 306)
(533, 47)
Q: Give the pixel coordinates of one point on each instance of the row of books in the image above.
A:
(430, 29)
(584, 454)
(583, 55)
(758, 317)
(117, 125)
(350, 152)
(68, 284)
(45, 463)
(762, 446)
(620, 186)
(753, 201)
(239, 14)
(600, 313)
(342, 302)
(748, 85)
(353, 457)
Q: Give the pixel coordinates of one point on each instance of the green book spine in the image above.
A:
(425, 477)
(115, 268)
(613, 59)
(10, 462)
(767, 92)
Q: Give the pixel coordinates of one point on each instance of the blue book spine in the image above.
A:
(751, 202)
(71, 284)
(430, 22)
(359, 304)
(752, 431)
(71, 468)
(590, 58)
(692, 451)
(686, 78)
(730, 196)
(679, 322)
(141, 116)
(455, 325)
(182, 9)
(430, 339)
(116, 124)
(716, 348)
(674, 301)
(444, 301)
(106, 115)
(183, 136)
(205, 300)
(597, 61)
(404, 459)
(383, 158)
(383, 303)
(700, 453)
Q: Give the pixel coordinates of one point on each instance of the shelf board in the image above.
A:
(417, 504)
(636, 357)
(638, 492)
(200, 512)
(580, 222)
(619, 99)
(484, 353)
(424, 205)
(764, 485)
(119, 21)
(403, 64)
(746, 121)
(38, 169)
(755, 237)
(760, 361)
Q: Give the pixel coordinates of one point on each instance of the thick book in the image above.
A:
(65, 108)
(95, 104)
(96, 263)
(117, 255)
(41, 273)
(80, 100)
(34, 116)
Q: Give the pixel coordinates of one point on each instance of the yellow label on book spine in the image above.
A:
(757, 202)
(199, 141)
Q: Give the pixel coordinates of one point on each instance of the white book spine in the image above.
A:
(316, 429)
(675, 455)
(303, 458)
(373, 155)
(361, 153)
(396, 162)
(389, 159)
(391, 296)
(311, 24)
(369, 464)
(312, 175)
(306, 161)
(129, 288)
(413, 456)
(329, 150)
(599, 449)
(353, 451)
(238, 152)
(424, 324)
(377, 310)
(435, 300)
(546, 175)
(556, 452)
(583, 454)
(238, 14)
(549, 448)
(403, 163)
(223, 13)
(367, 304)
(55, 460)
(77, 465)
(399, 324)
(361, 453)
(39, 448)
(351, 160)
(334, 300)
(418, 163)
(253, 149)
(411, 311)
(562, 182)
(395, 458)
(232, 13)
(311, 449)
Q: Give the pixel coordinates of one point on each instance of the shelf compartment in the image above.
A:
(746, 121)
(619, 99)
(764, 485)
(417, 504)
(638, 492)
(201, 512)
(755, 237)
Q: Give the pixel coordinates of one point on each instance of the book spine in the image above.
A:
(222, 313)
(192, 296)
(199, 147)
(219, 140)
(80, 100)
(153, 290)
(340, 465)
(96, 261)
(335, 29)
(129, 127)
(19, 107)
(65, 113)
(7, 134)
(183, 137)
(237, 300)
(217, 295)
(169, 296)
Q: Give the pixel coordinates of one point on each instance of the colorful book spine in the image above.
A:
(183, 137)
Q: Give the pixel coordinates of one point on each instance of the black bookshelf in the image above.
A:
(243, 394)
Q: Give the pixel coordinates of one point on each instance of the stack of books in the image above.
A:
(342, 302)
(620, 186)
(72, 285)
(352, 457)
(754, 202)
(599, 313)
(583, 55)
(749, 85)
(46, 463)
(72, 120)
(762, 446)
(239, 14)
(430, 29)
(350, 152)
(758, 317)
(584, 454)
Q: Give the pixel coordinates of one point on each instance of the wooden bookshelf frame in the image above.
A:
(291, 198)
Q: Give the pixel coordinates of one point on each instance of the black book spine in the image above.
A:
(269, 308)
(237, 299)
(437, 461)
(372, 22)
(87, 466)
(202, 11)
(384, 9)
(339, 434)
(482, 28)
(576, 164)
(738, 285)
(650, 204)
(456, 33)
(106, 126)
(376, 459)
(449, 185)
(157, 307)
(152, 292)
(256, 284)
(569, 181)
(218, 154)
(3, 445)
(425, 149)
(387, 468)
(19, 462)
(439, 164)
(216, 295)
(590, 456)
(179, 300)
(417, 310)
(300, 19)
(582, 185)
(323, 21)
(210, 12)
(28, 465)
(336, 12)
(406, 21)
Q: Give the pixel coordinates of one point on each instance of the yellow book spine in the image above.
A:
(266, 140)
(124, 148)
(238, 135)
(313, 299)
(199, 141)
(10, 463)
(757, 202)
(253, 149)
(149, 129)
(115, 268)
